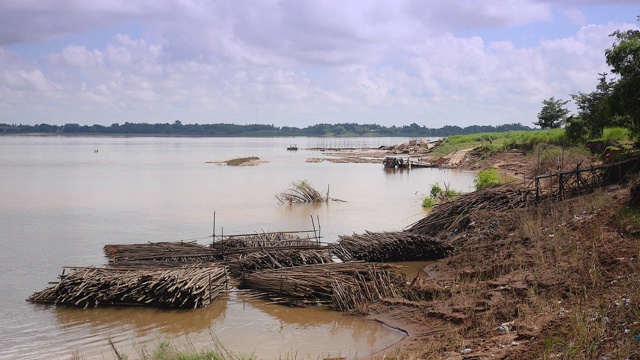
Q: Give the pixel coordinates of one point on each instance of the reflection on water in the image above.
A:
(245, 325)
(142, 320)
(62, 202)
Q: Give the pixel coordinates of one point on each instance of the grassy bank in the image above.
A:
(524, 140)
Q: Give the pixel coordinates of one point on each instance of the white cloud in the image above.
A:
(217, 61)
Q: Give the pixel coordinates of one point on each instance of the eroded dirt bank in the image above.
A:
(554, 280)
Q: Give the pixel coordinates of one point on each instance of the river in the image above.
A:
(64, 198)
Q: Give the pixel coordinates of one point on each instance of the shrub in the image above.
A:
(486, 178)
(428, 202)
(614, 136)
(435, 190)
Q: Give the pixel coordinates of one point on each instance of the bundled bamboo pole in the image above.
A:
(182, 288)
(346, 286)
(160, 252)
(450, 216)
(389, 247)
(263, 240)
(278, 258)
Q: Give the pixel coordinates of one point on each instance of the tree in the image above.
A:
(553, 113)
(595, 108)
(575, 129)
(624, 59)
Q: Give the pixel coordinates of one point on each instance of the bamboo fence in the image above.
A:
(185, 287)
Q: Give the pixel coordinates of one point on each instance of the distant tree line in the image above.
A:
(614, 103)
(258, 130)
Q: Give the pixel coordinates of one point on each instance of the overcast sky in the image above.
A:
(300, 62)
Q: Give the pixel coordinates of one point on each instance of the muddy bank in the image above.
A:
(525, 282)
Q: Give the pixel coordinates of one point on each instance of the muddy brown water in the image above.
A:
(61, 202)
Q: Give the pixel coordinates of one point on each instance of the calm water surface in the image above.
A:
(60, 203)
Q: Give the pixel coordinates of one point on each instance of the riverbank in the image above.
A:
(550, 280)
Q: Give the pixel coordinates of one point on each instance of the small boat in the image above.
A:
(393, 162)
(292, 148)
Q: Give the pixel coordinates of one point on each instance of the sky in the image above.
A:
(300, 62)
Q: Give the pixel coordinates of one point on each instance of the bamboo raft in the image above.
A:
(155, 254)
(450, 216)
(182, 288)
(389, 247)
(345, 286)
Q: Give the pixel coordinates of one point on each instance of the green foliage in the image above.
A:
(624, 59)
(595, 108)
(451, 194)
(258, 130)
(553, 113)
(428, 202)
(528, 140)
(616, 135)
(439, 195)
(435, 190)
(486, 178)
(575, 130)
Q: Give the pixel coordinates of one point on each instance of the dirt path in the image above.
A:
(456, 158)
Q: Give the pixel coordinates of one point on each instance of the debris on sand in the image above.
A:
(244, 161)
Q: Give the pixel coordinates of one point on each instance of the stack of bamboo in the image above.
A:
(389, 246)
(276, 259)
(185, 287)
(450, 216)
(157, 253)
(262, 240)
(346, 286)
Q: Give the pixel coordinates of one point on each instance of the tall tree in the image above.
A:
(624, 59)
(594, 108)
(553, 113)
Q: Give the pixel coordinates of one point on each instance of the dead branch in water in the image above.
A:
(301, 192)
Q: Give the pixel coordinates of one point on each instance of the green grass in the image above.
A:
(616, 136)
(428, 202)
(491, 142)
(486, 178)
(166, 350)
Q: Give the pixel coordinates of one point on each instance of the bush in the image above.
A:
(435, 190)
(614, 136)
(486, 178)
(428, 202)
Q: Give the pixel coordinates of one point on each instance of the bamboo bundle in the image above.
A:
(388, 247)
(275, 259)
(186, 287)
(449, 216)
(185, 252)
(345, 286)
(262, 240)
